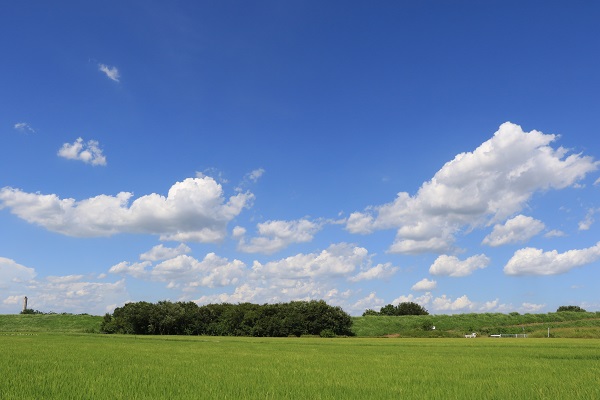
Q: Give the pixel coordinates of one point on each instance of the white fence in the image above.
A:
(510, 335)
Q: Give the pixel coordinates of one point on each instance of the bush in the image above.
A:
(327, 333)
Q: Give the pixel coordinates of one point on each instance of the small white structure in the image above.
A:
(471, 336)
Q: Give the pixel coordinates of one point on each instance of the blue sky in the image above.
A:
(268, 151)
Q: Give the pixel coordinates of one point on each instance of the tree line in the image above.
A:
(295, 318)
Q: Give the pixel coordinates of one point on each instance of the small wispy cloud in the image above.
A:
(256, 174)
(555, 233)
(111, 72)
(24, 127)
(89, 153)
(587, 222)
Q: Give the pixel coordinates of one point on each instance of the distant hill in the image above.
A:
(561, 324)
(62, 323)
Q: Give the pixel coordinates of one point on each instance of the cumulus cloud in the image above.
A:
(137, 270)
(532, 261)
(89, 153)
(424, 285)
(11, 272)
(76, 296)
(111, 72)
(69, 293)
(277, 235)
(452, 266)
(379, 271)
(445, 303)
(210, 272)
(24, 127)
(194, 210)
(423, 300)
(337, 260)
(161, 252)
(515, 230)
(369, 302)
(475, 189)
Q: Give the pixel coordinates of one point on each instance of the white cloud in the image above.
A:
(137, 270)
(555, 233)
(515, 230)
(277, 235)
(24, 127)
(75, 296)
(89, 153)
(238, 232)
(256, 174)
(423, 300)
(474, 189)
(531, 307)
(161, 252)
(597, 182)
(380, 271)
(444, 303)
(452, 266)
(210, 272)
(111, 72)
(70, 293)
(339, 260)
(194, 210)
(64, 279)
(587, 222)
(369, 302)
(11, 272)
(424, 285)
(531, 261)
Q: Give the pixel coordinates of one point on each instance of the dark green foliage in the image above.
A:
(370, 312)
(327, 333)
(29, 311)
(570, 308)
(406, 308)
(245, 319)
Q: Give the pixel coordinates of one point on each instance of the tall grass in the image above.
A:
(127, 367)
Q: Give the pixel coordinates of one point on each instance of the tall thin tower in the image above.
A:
(24, 303)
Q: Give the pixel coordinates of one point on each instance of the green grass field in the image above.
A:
(80, 366)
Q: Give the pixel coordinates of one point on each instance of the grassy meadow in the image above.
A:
(90, 366)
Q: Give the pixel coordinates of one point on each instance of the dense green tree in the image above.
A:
(410, 308)
(570, 308)
(245, 319)
(405, 308)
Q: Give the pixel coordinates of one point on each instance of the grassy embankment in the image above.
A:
(78, 366)
(561, 324)
(60, 323)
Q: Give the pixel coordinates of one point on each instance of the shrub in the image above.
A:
(327, 333)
